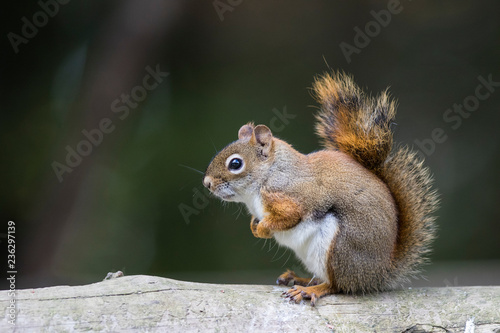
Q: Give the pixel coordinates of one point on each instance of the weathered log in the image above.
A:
(148, 303)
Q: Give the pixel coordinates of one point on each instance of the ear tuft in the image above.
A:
(246, 131)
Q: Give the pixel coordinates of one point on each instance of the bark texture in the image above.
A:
(155, 304)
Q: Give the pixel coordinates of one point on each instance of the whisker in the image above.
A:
(264, 245)
(213, 144)
(271, 245)
(287, 259)
(192, 169)
(240, 210)
(314, 276)
(281, 256)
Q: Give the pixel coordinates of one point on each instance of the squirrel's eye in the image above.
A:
(235, 164)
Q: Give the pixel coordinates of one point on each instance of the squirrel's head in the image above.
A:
(241, 166)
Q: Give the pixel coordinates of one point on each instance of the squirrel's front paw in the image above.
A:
(253, 225)
(258, 228)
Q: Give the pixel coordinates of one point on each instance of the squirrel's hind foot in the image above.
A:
(298, 293)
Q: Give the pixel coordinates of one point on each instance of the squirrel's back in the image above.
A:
(360, 126)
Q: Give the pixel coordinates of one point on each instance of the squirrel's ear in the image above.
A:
(245, 132)
(264, 138)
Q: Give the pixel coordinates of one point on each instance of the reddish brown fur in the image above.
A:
(284, 213)
(360, 126)
(382, 199)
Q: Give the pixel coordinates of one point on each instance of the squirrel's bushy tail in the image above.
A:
(359, 125)
(353, 123)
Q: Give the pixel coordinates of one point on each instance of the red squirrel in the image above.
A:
(358, 214)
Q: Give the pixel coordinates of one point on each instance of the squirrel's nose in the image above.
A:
(207, 182)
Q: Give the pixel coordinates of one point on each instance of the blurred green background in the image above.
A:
(132, 204)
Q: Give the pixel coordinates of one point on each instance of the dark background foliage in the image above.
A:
(131, 205)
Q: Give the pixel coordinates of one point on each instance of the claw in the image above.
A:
(313, 300)
(298, 293)
(294, 295)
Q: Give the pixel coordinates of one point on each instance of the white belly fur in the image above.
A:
(311, 240)
(254, 205)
